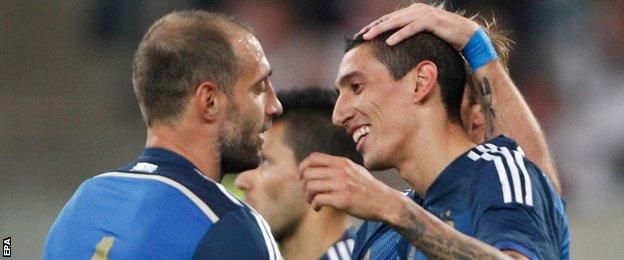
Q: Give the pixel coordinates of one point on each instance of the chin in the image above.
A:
(373, 164)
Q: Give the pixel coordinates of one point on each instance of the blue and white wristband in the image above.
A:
(479, 50)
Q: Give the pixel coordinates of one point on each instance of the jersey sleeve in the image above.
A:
(361, 238)
(235, 236)
(504, 209)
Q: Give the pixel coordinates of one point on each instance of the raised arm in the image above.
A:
(513, 115)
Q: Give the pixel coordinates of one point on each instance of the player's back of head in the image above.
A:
(307, 114)
(177, 53)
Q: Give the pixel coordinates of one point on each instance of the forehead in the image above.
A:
(253, 61)
(360, 61)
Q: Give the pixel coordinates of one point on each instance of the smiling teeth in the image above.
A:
(360, 132)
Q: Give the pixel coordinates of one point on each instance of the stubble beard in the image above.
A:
(240, 148)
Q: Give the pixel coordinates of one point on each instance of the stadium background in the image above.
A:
(67, 110)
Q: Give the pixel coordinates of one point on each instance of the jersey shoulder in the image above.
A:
(504, 174)
(113, 206)
(240, 234)
(377, 240)
(512, 202)
(235, 225)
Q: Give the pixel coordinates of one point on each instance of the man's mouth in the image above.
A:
(360, 132)
(265, 127)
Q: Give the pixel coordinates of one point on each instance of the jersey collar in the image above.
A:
(167, 163)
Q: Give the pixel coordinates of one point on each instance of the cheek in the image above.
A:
(252, 110)
(259, 104)
(279, 183)
(383, 105)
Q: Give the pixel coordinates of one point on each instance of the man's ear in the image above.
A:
(478, 119)
(424, 79)
(208, 100)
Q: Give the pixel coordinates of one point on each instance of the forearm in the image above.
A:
(436, 239)
(515, 119)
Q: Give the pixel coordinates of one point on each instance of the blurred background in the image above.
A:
(67, 110)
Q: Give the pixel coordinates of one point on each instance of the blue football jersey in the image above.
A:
(492, 193)
(158, 207)
(342, 249)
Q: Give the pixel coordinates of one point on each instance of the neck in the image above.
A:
(187, 142)
(430, 151)
(317, 232)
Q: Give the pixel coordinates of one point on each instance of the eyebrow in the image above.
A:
(266, 76)
(343, 80)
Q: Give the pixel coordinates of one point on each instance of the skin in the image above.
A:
(473, 119)
(252, 105)
(352, 76)
(511, 108)
(196, 135)
(275, 192)
(342, 184)
(272, 188)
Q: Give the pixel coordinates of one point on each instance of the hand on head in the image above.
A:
(452, 28)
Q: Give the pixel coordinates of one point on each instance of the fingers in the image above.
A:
(319, 180)
(319, 160)
(325, 199)
(316, 187)
(396, 19)
(372, 24)
(318, 173)
(406, 32)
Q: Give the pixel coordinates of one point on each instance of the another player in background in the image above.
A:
(274, 190)
(202, 82)
(402, 106)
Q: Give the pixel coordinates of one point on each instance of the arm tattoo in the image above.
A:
(439, 243)
(484, 96)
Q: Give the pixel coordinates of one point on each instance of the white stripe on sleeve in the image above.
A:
(331, 253)
(267, 239)
(350, 243)
(515, 175)
(474, 156)
(228, 194)
(527, 179)
(278, 254)
(272, 248)
(492, 147)
(502, 175)
(344, 252)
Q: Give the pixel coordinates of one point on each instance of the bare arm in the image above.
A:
(513, 115)
(437, 239)
(515, 119)
(339, 183)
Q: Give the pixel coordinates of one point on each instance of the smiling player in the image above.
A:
(401, 104)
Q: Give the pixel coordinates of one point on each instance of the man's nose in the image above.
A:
(273, 106)
(342, 112)
(244, 180)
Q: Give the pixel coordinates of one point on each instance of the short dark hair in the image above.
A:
(178, 52)
(403, 57)
(308, 124)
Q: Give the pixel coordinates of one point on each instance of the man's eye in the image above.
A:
(356, 87)
(260, 87)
